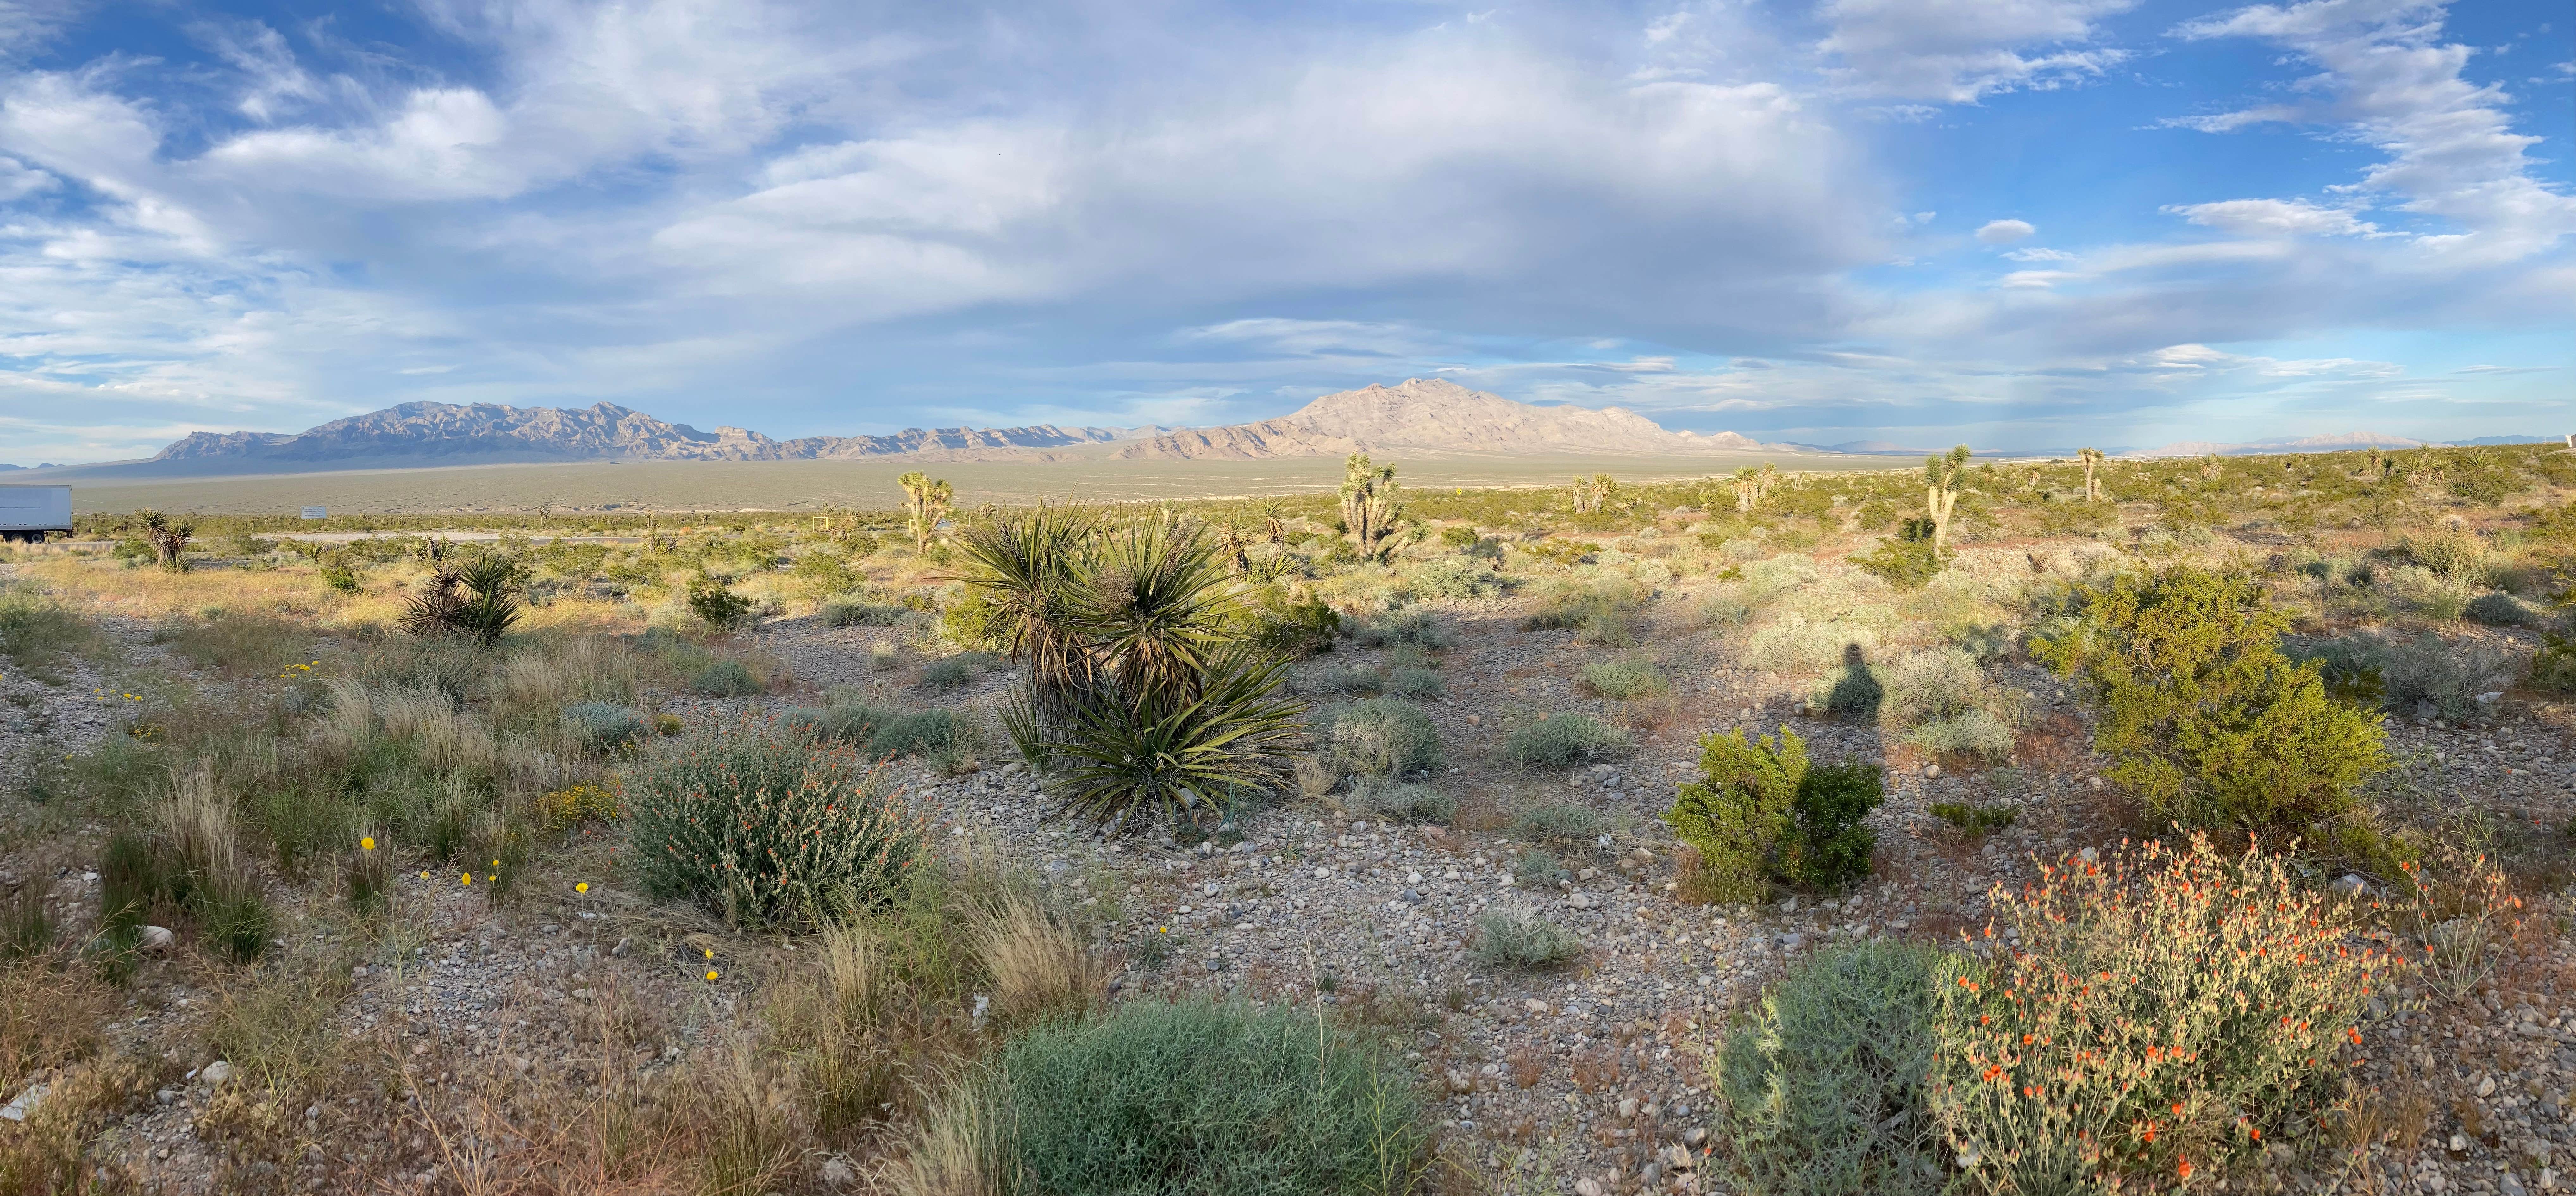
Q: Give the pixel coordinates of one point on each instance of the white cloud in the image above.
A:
(2274, 218)
(2004, 232)
(2038, 254)
(1956, 51)
(18, 181)
(2387, 78)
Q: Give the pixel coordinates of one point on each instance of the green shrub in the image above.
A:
(1294, 629)
(36, 628)
(1761, 813)
(2353, 667)
(724, 679)
(1459, 538)
(1414, 682)
(718, 606)
(1973, 820)
(1906, 564)
(1162, 1098)
(1536, 867)
(2553, 668)
(2430, 675)
(1625, 679)
(2202, 715)
(1404, 801)
(766, 826)
(1383, 737)
(946, 674)
(1557, 740)
(924, 733)
(2160, 1007)
(1971, 733)
(1603, 611)
(1821, 1091)
(2457, 555)
(2500, 609)
(1520, 937)
(1453, 577)
(601, 726)
(1411, 628)
(477, 600)
(972, 621)
(861, 614)
(1562, 823)
(1351, 679)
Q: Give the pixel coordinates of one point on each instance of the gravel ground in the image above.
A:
(1586, 1079)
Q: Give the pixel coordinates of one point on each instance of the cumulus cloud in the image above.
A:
(2274, 218)
(2391, 82)
(2004, 232)
(1957, 51)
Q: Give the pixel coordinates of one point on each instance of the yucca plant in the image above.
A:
(1142, 690)
(477, 599)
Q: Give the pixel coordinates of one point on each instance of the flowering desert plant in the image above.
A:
(764, 824)
(2162, 1011)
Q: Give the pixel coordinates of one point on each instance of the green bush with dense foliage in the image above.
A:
(765, 824)
(1763, 814)
(1821, 1090)
(2203, 716)
(1164, 1098)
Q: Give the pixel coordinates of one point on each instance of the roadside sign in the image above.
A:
(316, 513)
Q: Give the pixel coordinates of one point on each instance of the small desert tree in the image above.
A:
(168, 537)
(2092, 459)
(1942, 477)
(2203, 717)
(1370, 506)
(1590, 492)
(925, 503)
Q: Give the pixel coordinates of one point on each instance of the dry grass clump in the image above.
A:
(243, 643)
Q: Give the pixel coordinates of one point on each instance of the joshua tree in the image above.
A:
(1764, 480)
(1590, 492)
(1370, 506)
(2092, 459)
(1941, 478)
(1748, 488)
(925, 503)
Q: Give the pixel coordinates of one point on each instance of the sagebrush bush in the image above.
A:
(1821, 1091)
(1557, 740)
(724, 679)
(1625, 678)
(1518, 936)
(2499, 609)
(1178, 1097)
(2430, 675)
(1383, 737)
(1455, 578)
(2163, 1010)
(1404, 801)
(1762, 813)
(1606, 610)
(602, 726)
(1413, 628)
(852, 613)
(1563, 823)
(2202, 715)
(762, 823)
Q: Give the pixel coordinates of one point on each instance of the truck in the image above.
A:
(27, 513)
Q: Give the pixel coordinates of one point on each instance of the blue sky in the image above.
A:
(2022, 223)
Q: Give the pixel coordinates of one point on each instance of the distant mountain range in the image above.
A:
(1439, 416)
(1417, 415)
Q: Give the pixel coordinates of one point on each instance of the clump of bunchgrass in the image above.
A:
(1558, 740)
(1400, 801)
(762, 823)
(1520, 937)
(1624, 678)
(1564, 824)
(1382, 737)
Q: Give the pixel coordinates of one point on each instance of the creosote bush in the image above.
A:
(1557, 740)
(1171, 1097)
(2164, 1010)
(1762, 813)
(1821, 1091)
(2202, 715)
(765, 825)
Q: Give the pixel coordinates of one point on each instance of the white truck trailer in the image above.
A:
(28, 512)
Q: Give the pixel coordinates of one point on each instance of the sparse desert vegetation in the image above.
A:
(2085, 825)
